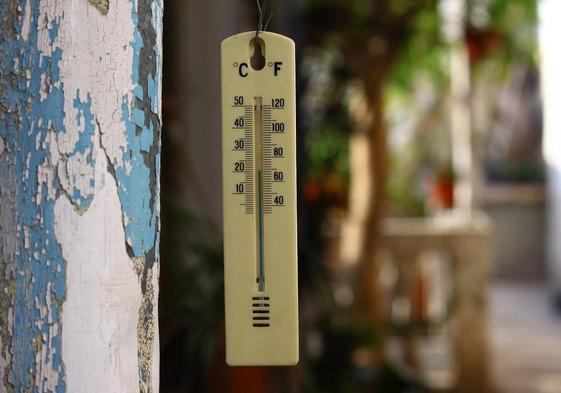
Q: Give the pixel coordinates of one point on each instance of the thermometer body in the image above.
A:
(259, 194)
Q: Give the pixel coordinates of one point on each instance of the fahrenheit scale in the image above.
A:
(259, 180)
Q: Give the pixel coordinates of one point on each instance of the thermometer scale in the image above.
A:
(259, 193)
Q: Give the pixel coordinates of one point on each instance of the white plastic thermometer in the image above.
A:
(259, 180)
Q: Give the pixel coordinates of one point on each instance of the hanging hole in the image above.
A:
(257, 47)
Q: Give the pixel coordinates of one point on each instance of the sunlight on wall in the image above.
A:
(550, 31)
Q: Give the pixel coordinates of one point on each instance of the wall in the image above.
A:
(550, 31)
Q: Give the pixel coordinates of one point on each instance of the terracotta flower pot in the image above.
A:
(443, 192)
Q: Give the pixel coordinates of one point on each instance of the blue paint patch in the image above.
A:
(141, 161)
(85, 119)
(53, 31)
(137, 117)
(134, 185)
(84, 146)
(39, 265)
(138, 92)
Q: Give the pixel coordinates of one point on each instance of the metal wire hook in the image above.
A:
(274, 9)
(262, 10)
(262, 7)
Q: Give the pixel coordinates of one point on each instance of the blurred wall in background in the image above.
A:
(550, 31)
(192, 78)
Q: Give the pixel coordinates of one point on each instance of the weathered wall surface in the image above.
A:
(79, 184)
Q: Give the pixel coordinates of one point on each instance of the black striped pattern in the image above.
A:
(261, 311)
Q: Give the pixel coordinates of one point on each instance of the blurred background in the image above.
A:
(429, 196)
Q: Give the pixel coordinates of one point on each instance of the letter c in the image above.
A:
(242, 73)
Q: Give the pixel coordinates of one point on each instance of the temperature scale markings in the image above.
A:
(267, 162)
(257, 186)
(249, 150)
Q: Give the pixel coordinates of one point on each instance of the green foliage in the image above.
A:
(405, 196)
(328, 152)
(515, 21)
(329, 126)
(423, 55)
(498, 38)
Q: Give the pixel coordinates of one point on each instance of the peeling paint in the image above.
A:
(79, 171)
(103, 294)
(31, 102)
(7, 264)
(76, 168)
(26, 20)
(143, 133)
(146, 334)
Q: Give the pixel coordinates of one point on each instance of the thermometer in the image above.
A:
(259, 194)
